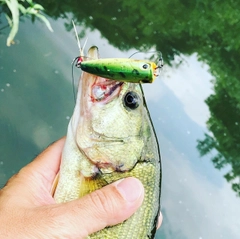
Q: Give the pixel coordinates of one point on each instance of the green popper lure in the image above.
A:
(122, 69)
(119, 69)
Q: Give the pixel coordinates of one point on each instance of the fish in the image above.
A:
(110, 136)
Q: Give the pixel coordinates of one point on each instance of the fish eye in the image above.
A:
(145, 66)
(131, 100)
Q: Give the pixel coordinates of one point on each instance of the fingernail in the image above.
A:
(130, 189)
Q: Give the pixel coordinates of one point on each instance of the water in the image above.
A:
(36, 101)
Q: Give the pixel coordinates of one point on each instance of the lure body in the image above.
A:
(122, 69)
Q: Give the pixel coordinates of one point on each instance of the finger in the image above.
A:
(160, 219)
(105, 207)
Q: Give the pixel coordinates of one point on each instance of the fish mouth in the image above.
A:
(104, 90)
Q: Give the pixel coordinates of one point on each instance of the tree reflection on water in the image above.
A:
(208, 28)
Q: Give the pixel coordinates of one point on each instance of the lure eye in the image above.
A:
(131, 100)
(145, 66)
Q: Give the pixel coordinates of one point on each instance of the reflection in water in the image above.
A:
(209, 28)
(195, 207)
(197, 202)
(224, 124)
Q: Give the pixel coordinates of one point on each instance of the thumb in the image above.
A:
(108, 206)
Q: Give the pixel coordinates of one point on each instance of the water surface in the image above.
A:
(36, 102)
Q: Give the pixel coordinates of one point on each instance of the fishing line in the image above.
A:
(73, 79)
(160, 53)
(160, 58)
(77, 60)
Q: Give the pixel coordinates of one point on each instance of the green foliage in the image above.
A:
(27, 8)
(14, 22)
(206, 145)
(224, 123)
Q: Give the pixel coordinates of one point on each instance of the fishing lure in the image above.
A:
(122, 69)
(119, 69)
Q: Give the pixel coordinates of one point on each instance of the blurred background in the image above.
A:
(194, 104)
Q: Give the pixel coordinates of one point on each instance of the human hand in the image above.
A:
(28, 210)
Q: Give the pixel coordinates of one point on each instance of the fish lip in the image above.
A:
(104, 90)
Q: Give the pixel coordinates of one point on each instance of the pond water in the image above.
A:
(36, 102)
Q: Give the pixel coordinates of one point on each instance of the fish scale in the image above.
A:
(136, 226)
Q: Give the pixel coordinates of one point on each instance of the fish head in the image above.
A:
(108, 122)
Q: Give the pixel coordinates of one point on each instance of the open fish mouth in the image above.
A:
(104, 90)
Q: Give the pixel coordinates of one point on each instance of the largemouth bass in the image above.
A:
(110, 136)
